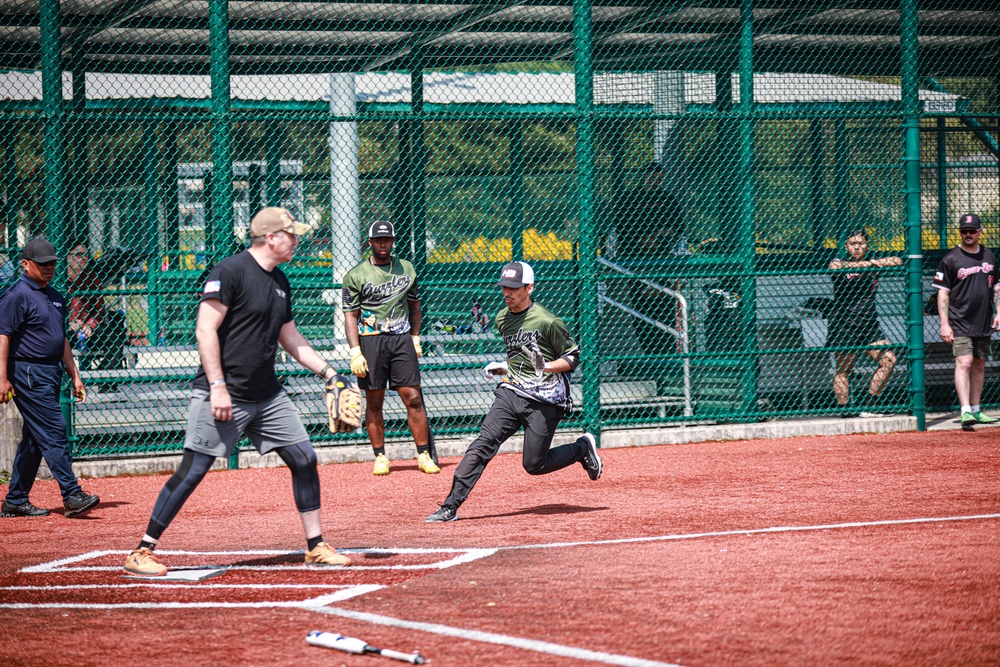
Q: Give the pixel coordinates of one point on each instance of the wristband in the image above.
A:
(326, 368)
(215, 382)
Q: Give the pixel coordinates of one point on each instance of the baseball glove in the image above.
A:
(343, 404)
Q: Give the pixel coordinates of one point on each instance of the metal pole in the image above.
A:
(747, 235)
(589, 339)
(515, 189)
(52, 117)
(942, 183)
(274, 137)
(151, 216)
(222, 155)
(418, 198)
(911, 194)
(817, 214)
(840, 185)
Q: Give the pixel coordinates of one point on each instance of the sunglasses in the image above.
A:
(968, 232)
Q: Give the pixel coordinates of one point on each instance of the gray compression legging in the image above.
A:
(300, 459)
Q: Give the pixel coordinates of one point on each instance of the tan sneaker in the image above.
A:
(381, 465)
(324, 554)
(143, 562)
(426, 464)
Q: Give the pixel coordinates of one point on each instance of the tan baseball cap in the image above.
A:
(276, 219)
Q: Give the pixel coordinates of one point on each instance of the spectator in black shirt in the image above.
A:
(966, 281)
(854, 320)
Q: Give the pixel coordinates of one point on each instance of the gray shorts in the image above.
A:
(976, 346)
(269, 424)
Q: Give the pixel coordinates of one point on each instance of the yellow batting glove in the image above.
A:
(359, 365)
(416, 346)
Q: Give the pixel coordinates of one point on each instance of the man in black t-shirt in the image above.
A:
(966, 281)
(854, 320)
(245, 312)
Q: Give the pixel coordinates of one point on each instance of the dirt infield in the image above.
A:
(862, 549)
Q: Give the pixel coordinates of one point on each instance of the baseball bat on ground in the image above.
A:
(352, 645)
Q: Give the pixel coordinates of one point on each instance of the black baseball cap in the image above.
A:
(381, 229)
(39, 250)
(516, 274)
(970, 221)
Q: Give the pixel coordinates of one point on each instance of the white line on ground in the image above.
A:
(64, 587)
(752, 531)
(494, 638)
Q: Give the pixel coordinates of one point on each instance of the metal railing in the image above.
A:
(681, 335)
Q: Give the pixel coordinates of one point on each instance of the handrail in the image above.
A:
(681, 335)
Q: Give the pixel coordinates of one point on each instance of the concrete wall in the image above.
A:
(10, 434)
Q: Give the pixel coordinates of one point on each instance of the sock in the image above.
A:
(423, 449)
(966, 408)
(313, 541)
(974, 409)
(146, 544)
(379, 451)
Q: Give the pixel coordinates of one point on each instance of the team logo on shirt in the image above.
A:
(376, 295)
(281, 293)
(938, 276)
(985, 267)
(213, 286)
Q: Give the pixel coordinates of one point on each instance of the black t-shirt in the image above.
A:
(260, 303)
(969, 281)
(854, 297)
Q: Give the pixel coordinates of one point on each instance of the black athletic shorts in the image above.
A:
(856, 333)
(391, 358)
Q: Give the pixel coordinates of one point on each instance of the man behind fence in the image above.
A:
(966, 281)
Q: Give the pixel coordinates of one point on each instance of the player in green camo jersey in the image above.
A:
(381, 306)
(534, 393)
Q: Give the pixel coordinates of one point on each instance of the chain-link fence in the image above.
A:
(737, 210)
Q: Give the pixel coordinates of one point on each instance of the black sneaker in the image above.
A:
(24, 509)
(591, 461)
(443, 514)
(79, 502)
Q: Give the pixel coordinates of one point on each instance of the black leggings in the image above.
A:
(300, 459)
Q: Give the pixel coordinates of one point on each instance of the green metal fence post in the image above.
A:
(53, 141)
(942, 183)
(8, 139)
(911, 193)
(76, 141)
(222, 156)
(171, 195)
(589, 339)
(274, 140)
(817, 212)
(418, 200)
(151, 216)
(747, 226)
(840, 185)
(52, 114)
(515, 189)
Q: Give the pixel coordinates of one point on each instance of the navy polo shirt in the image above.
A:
(35, 320)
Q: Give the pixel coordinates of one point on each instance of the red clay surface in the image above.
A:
(832, 593)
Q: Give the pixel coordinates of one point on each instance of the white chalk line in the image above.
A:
(494, 638)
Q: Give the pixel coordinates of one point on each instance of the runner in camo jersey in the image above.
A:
(534, 393)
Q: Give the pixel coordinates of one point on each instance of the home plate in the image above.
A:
(181, 575)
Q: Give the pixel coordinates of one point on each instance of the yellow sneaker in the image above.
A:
(426, 464)
(381, 465)
(143, 562)
(324, 554)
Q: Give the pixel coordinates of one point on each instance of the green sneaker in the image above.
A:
(968, 421)
(983, 418)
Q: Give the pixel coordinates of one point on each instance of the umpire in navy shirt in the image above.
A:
(34, 351)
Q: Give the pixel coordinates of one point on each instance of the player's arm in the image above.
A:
(6, 388)
(996, 306)
(211, 313)
(73, 371)
(304, 353)
(943, 301)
